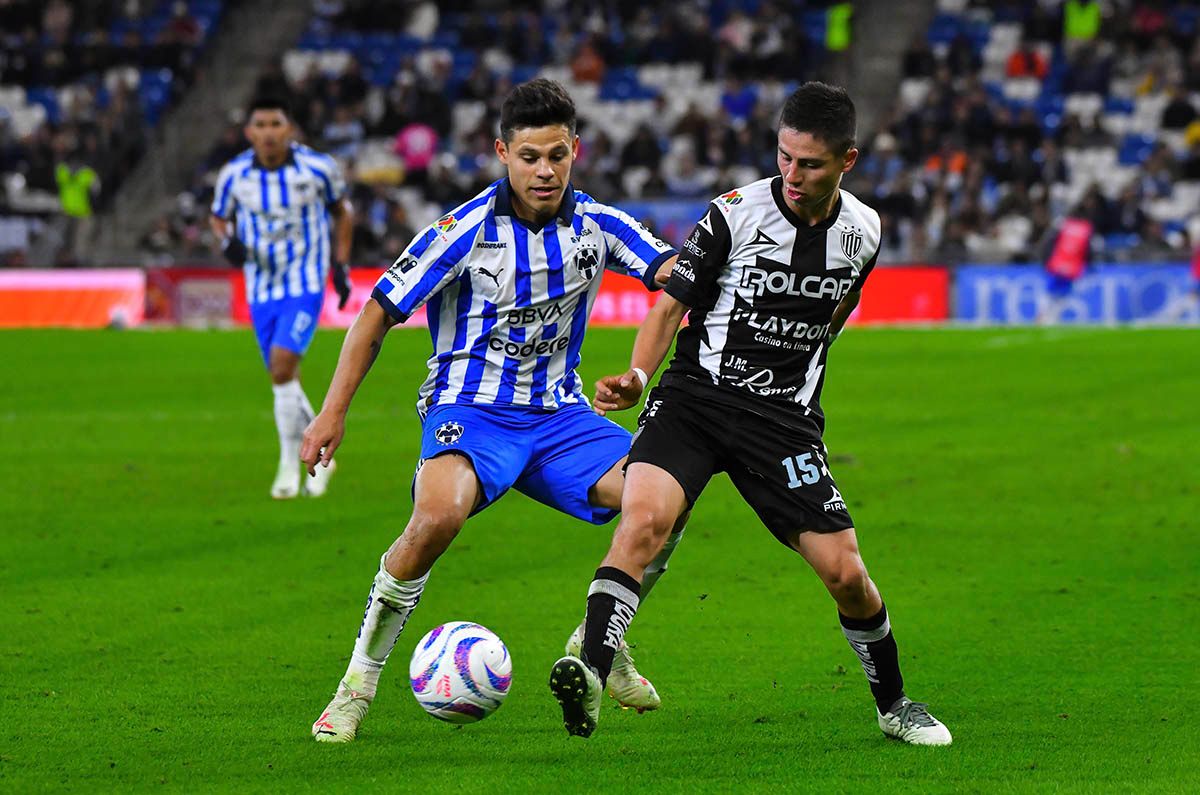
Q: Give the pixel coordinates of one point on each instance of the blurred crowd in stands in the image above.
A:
(1015, 115)
(81, 86)
(1010, 115)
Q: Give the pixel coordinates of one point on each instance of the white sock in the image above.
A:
(389, 604)
(658, 566)
(293, 412)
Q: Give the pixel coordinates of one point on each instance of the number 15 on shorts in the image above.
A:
(802, 471)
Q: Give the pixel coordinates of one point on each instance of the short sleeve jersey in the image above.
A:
(506, 301)
(762, 286)
(282, 215)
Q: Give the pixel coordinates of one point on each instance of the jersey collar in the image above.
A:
(794, 220)
(290, 160)
(504, 206)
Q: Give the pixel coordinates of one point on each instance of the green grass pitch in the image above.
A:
(1026, 501)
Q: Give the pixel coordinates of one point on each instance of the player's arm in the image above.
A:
(619, 392)
(343, 235)
(842, 313)
(220, 220)
(849, 302)
(362, 345)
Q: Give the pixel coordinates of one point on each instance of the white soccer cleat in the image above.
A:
(316, 485)
(625, 684)
(287, 482)
(911, 722)
(339, 722)
(578, 690)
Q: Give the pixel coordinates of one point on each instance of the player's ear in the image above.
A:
(575, 148)
(502, 151)
(850, 159)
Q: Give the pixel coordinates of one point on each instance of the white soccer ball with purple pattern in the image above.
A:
(460, 672)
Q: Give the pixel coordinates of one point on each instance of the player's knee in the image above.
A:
(432, 530)
(847, 580)
(282, 372)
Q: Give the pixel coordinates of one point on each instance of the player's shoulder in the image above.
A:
(236, 164)
(459, 220)
(858, 218)
(744, 202)
(312, 158)
(856, 211)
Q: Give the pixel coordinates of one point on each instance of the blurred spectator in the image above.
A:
(1179, 111)
(919, 60)
(77, 184)
(1026, 61)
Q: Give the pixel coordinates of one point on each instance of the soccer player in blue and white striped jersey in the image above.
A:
(275, 208)
(508, 280)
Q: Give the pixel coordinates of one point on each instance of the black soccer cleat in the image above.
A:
(579, 691)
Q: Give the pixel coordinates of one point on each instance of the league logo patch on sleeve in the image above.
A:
(733, 197)
(445, 224)
(448, 433)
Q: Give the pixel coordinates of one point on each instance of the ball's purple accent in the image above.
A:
(461, 707)
(437, 631)
(497, 681)
(421, 680)
(462, 661)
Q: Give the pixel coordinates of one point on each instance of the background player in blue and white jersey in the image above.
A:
(508, 280)
(280, 210)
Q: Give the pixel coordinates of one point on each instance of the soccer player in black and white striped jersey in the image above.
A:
(770, 275)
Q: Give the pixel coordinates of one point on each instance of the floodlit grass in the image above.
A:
(1026, 501)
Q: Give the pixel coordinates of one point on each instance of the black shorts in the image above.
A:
(781, 472)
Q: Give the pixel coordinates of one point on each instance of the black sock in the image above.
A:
(612, 601)
(871, 638)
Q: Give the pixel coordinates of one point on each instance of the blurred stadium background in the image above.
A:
(982, 126)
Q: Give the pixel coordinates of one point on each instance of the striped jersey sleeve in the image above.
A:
(633, 249)
(223, 201)
(432, 260)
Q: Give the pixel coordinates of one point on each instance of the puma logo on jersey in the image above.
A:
(493, 276)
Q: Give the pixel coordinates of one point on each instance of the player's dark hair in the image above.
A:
(824, 111)
(269, 102)
(538, 103)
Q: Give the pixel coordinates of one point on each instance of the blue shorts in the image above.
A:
(287, 323)
(552, 456)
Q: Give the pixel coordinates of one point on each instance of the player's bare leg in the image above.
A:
(292, 413)
(446, 491)
(651, 505)
(625, 683)
(864, 619)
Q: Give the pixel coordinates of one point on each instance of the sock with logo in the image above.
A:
(293, 412)
(611, 604)
(389, 605)
(872, 640)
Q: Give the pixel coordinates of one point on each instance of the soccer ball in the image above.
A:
(460, 672)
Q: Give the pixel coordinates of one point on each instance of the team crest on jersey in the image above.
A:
(446, 223)
(587, 259)
(448, 433)
(852, 240)
(733, 197)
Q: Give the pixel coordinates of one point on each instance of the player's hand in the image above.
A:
(321, 438)
(234, 251)
(341, 283)
(617, 392)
